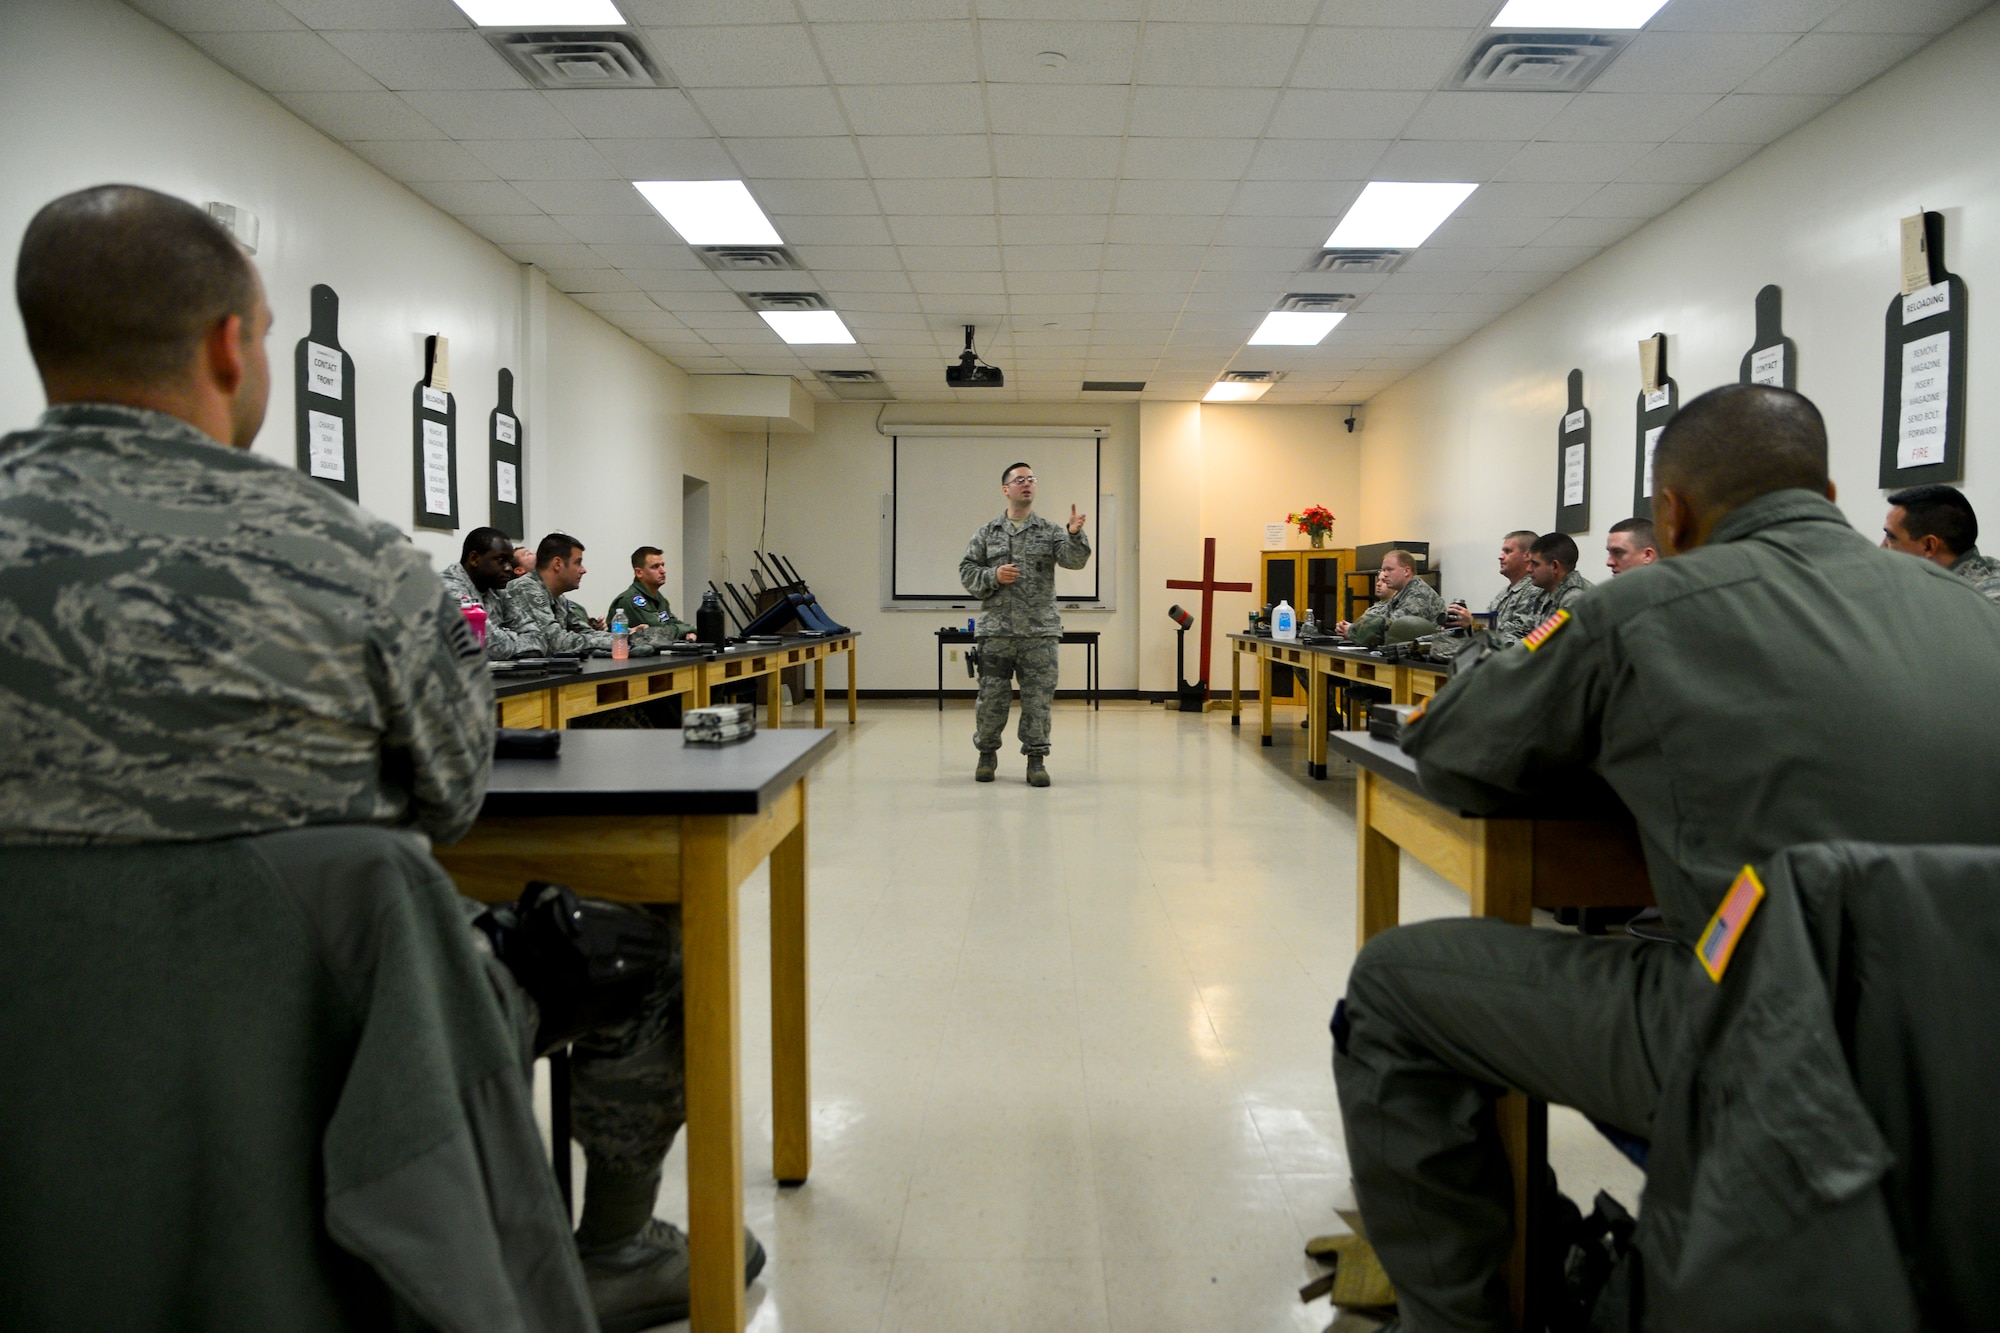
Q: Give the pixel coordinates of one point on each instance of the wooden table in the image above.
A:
(604, 684)
(639, 816)
(1406, 681)
(1508, 866)
(1087, 637)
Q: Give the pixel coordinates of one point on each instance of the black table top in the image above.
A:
(1355, 652)
(627, 773)
(1584, 795)
(605, 668)
(953, 634)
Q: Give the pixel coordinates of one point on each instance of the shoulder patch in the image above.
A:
(637, 600)
(1725, 929)
(1545, 631)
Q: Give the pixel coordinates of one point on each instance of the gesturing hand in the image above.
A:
(1008, 573)
(1075, 521)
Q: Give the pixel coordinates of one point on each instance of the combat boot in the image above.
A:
(989, 764)
(1038, 773)
(643, 1280)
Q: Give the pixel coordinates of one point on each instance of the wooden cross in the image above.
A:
(1209, 587)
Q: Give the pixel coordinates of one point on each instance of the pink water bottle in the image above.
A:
(475, 616)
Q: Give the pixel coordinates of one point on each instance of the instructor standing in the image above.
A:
(1011, 564)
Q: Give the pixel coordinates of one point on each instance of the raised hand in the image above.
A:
(1076, 520)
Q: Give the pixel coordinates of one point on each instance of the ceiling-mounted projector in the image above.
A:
(971, 372)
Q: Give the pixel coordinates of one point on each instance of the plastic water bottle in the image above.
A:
(1284, 622)
(475, 616)
(621, 642)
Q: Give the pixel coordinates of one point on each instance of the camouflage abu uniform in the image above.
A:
(196, 642)
(1560, 596)
(1513, 612)
(1982, 570)
(643, 606)
(1019, 628)
(1415, 598)
(502, 644)
(559, 625)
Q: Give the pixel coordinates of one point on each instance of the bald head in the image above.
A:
(1738, 442)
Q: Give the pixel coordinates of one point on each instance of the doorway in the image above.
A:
(694, 544)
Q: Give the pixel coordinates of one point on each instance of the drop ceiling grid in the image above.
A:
(1130, 214)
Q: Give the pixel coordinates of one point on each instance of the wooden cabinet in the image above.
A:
(1309, 580)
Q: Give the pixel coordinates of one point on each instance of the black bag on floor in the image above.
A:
(585, 962)
(1585, 1269)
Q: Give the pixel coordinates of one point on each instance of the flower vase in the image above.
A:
(1318, 540)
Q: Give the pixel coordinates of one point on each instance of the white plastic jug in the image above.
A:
(1284, 621)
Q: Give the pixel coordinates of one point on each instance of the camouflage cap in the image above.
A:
(1403, 629)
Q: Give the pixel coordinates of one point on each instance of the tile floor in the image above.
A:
(1070, 1060)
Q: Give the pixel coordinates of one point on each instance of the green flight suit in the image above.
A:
(644, 606)
(1787, 683)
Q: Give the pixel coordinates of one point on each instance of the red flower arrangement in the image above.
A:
(1316, 521)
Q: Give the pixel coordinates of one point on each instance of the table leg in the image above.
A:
(791, 1066)
(1265, 675)
(852, 713)
(1315, 721)
(774, 684)
(819, 692)
(1379, 874)
(1503, 887)
(1399, 687)
(940, 672)
(709, 927)
(1235, 687)
(701, 685)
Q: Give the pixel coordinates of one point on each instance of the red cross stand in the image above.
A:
(1208, 588)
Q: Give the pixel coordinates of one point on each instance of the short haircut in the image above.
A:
(643, 554)
(1557, 546)
(1641, 530)
(1008, 471)
(1523, 536)
(122, 283)
(481, 541)
(1942, 512)
(1402, 557)
(1740, 441)
(555, 546)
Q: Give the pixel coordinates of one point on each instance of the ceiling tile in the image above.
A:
(851, 257)
(866, 11)
(375, 115)
(1484, 303)
(1924, 16)
(1054, 229)
(627, 305)
(950, 259)
(1305, 160)
(904, 52)
(1225, 54)
(832, 230)
(664, 256)
(1742, 15)
(1030, 282)
(1208, 198)
(1093, 52)
(1232, 11)
(1128, 257)
(1443, 160)
(1590, 231)
(1026, 108)
(1055, 196)
(414, 61)
(1138, 229)
(575, 280)
(1323, 113)
(1547, 258)
(1538, 162)
(796, 159)
(1488, 233)
(1698, 162)
(923, 156)
(1056, 157)
(482, 196)
(1625, 200)
(283, 62)
(424, 160)
(1175, 281)
(1079, 303)
(331, 15)
(770, 112)
(666, 159)
(630, 113)
(1323, 200)
(953, 230)
(519, 229)
(522, 114)
(190, 16)
(1833, 64)
(1390, 59)
(565, 198)
(1509, 200)
(1186, 159)
(1627, 117)
(1220, 112)
(915, 108)
(751, 56)
(542, 159)
(1052, 258)
(1690, 62)
(1456, 259)
(554, 256)
(614, 229)
(971, 194)
(1489, 115)
(1302, 234)
(1743, 118)
(817, 198)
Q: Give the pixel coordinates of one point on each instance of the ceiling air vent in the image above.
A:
(784, 300)
(856, 385)
(1537, 62)
(1354, 261)
(1114, 386)
(1252, 376)
(747, 258)
(572, 60)
(1316, 303)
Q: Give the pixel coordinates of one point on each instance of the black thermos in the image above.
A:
(708, 626)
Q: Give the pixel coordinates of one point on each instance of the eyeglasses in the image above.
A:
(1021, 477)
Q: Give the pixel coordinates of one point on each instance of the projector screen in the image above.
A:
(947, 487)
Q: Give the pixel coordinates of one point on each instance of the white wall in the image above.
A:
(91, 92)
(1464, 450)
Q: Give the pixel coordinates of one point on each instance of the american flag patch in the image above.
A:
(1545, 631)
(1718, 940)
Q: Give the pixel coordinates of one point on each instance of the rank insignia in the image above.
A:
(1545, 631)
(1725, 929)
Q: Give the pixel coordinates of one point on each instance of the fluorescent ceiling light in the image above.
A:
(808, 326)
(1294, 328)
(1570, 15)
(541, 13)
(1228, 391)
(711, 212)
(1398, 214)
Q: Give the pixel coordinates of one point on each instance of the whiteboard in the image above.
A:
(947, 487)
